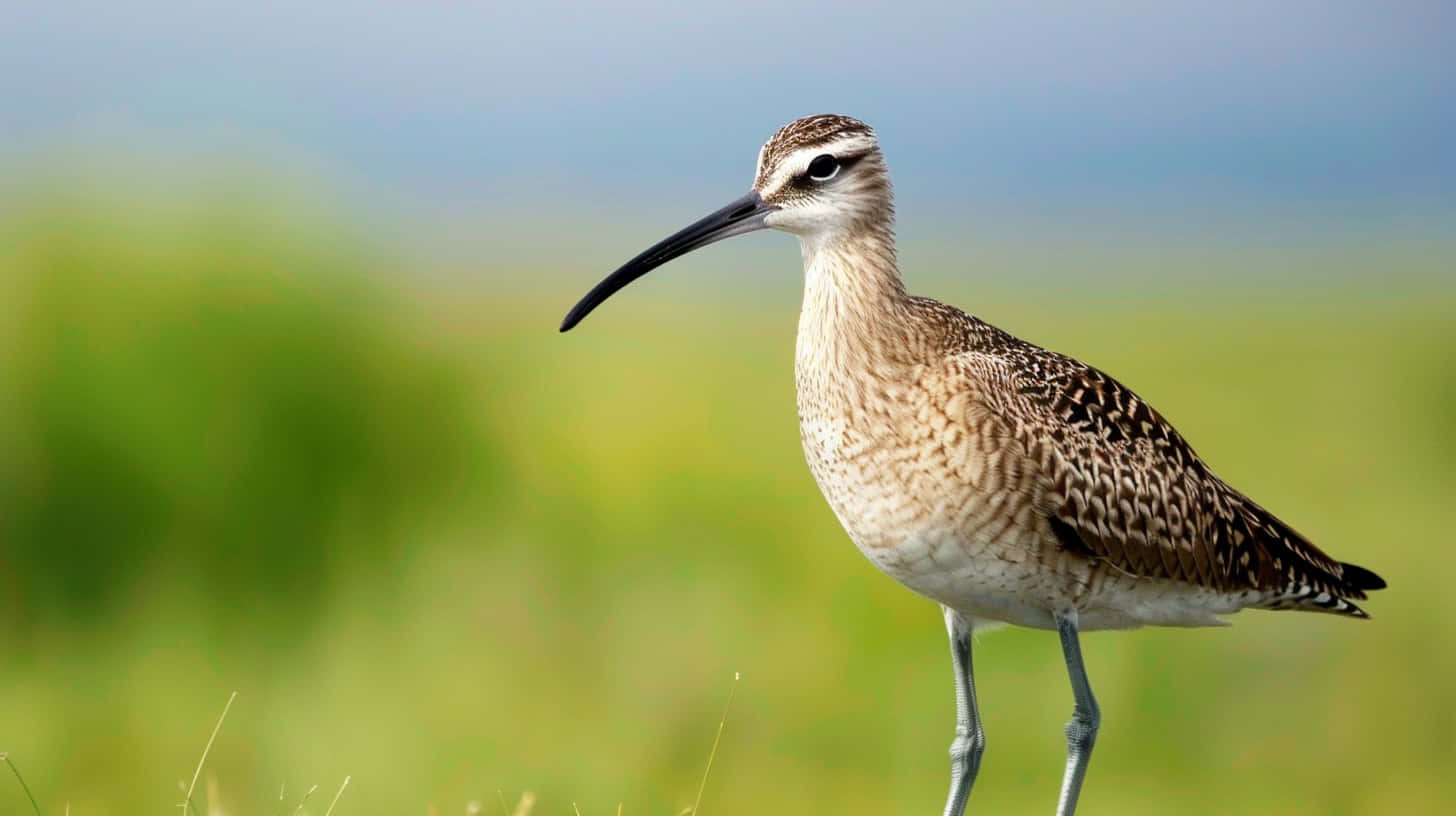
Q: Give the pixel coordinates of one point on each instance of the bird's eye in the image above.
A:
(823, 168)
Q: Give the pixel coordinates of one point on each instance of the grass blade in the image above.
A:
(187, 801)
(304, 800)
(336, 796)
(716, 739)
(6, 757)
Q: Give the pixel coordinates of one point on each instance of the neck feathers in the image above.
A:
(856, 314)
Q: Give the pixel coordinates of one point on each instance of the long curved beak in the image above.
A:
(744, 215)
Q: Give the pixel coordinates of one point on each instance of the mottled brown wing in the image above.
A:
(1124, 487)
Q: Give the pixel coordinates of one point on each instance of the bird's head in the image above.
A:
(818, 177)
(823, 175)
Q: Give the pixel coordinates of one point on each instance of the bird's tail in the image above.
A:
(1354, 582)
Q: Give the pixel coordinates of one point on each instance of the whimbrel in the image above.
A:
(1006, 482)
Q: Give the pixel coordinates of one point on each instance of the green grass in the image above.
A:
(445, 552)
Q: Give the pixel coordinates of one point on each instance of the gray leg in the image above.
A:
(970, 739)
(1082, 730)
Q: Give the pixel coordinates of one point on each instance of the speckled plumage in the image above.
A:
(1008, 481)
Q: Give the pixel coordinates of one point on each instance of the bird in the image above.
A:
(1008, 483)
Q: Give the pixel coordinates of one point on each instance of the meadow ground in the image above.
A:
(439, 549)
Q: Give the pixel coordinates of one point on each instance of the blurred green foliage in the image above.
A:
(204, 395)
(440, 548)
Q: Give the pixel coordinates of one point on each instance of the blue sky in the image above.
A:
(1338, 112)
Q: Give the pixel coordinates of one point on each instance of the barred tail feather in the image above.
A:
(1354, 581)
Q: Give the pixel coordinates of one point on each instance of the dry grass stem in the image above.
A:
(339, 793)
(716, 739)
(304, 800)
(187, 800)
(526, 805)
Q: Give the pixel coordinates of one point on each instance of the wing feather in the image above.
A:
(1121, 485)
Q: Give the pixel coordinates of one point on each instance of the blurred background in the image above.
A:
(283, 410)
